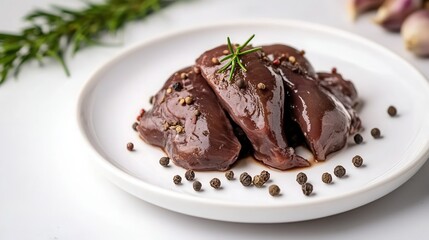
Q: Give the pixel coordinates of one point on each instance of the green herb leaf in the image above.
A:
(234, 57)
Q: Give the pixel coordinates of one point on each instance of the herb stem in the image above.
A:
(234, 57)
(51, 34)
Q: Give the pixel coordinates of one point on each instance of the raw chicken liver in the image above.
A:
(202, 140)
(323, 119)
(259, 112)
(345, 92)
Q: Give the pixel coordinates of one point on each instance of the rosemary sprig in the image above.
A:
(52, 33)
(234, 57)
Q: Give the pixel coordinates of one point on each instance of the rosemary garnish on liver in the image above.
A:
(234, 56)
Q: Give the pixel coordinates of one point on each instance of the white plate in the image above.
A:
(112, 98)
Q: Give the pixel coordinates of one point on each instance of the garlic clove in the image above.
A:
(356, 7)
(392, 13)
(415, 32)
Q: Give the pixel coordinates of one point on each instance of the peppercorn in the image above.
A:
(301, 178)
(240, 83)
(179, 129)
(292, 59)
(135, 126)
(190, 175)
(274, 190)
(326, 178)
(243, 175)
(189, 100)
(197, 186)
(245, 179)
(177, 86)
(229, 175)
(391, 111)
(196, 70)
(215, 183)
(357, 161)
(265, 175)
(177, 179)
(164, 161)
(183, 75)
(358, 138)
(307, 189)
(258, 181)
(339, 171)
(215, 61)
(375, 132)
(130, 146)
(182, 101)
(302, 52)
(261, 86)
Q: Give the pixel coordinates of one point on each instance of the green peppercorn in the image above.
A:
(164, 161)
(265, 175)
(358, 138)
(375, 133)
(215, 183)
(339, 171)
(229, 175)
(357, 161)
(189, 175)
(307, 189)
(301, 178)
(258, 181)
(177, 179)
(197, 186)
(274, 190)
(326, 178)
(392, 111)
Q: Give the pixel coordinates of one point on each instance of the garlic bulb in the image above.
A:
(356, 7)
(392, 13)
(415, 32)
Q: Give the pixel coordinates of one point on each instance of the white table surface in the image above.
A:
(49, 188)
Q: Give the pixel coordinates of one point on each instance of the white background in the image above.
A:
(49, 188)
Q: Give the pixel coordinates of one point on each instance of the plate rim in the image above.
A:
(114, 171)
